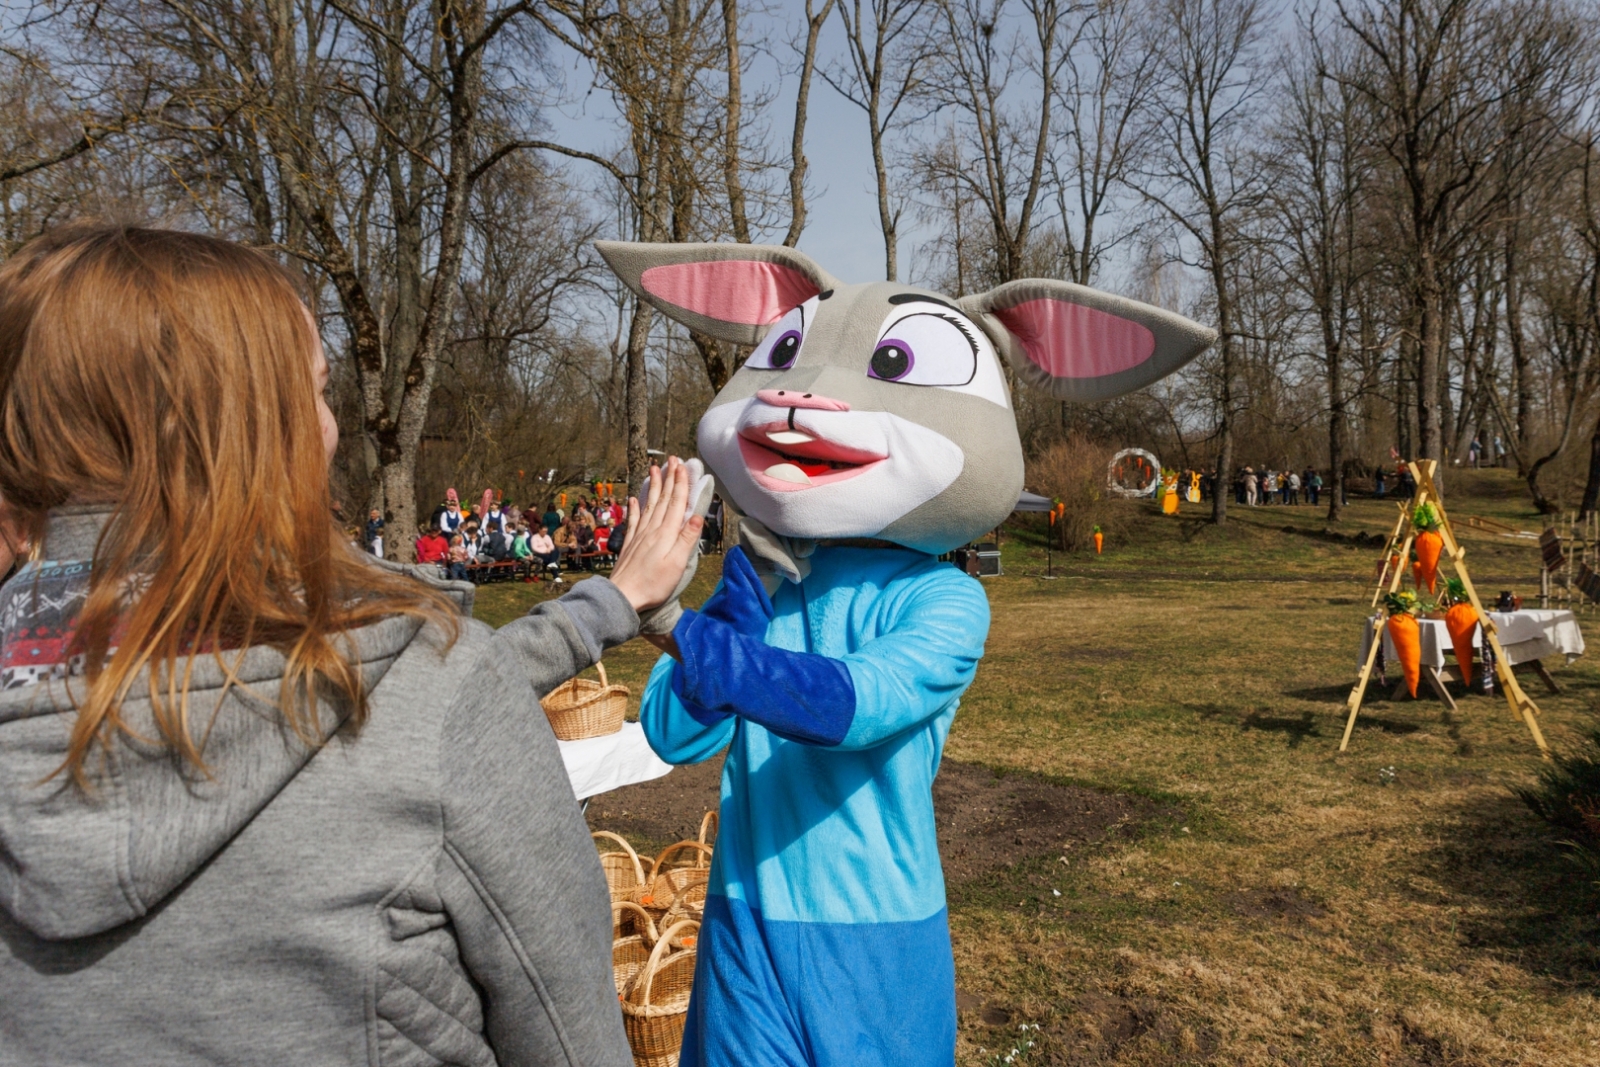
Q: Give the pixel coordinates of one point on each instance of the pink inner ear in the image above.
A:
(1072, 341)
(731, 290)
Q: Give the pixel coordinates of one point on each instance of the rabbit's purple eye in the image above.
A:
(925, 348)
(781, 347)
(891, 361)
(785, 350)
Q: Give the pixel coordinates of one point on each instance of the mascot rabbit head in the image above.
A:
(880, 410)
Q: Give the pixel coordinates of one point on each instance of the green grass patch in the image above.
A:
(1394, 904)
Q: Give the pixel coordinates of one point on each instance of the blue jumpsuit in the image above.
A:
(826, 940)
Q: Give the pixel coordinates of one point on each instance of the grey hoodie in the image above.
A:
(423, 893)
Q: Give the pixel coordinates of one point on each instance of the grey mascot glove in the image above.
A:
(775, 558)
(664, 616)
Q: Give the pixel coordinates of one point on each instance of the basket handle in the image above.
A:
(702, 860)
(662, 943)
(601, 667)
(712, 822)
(650, 934)
(638, 868)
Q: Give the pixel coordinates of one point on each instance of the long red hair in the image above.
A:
(169, 376)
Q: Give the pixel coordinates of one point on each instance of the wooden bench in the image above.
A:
(503, 571)
(598, 556)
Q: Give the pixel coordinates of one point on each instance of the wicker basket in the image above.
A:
(625, 872)
(688, 904)
(685, 864)
(656, 1003)
(710, 823)
(630, 950)
(579, 708)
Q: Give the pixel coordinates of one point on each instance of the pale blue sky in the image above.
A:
(842, 231)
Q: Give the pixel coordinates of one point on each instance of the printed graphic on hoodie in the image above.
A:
(39, 609)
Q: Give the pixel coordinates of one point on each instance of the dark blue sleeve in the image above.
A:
(727, 668)
(741, 601)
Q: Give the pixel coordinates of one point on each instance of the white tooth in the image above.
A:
(787, 472)
(789, 437)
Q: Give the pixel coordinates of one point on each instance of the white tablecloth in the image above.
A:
(1525, 635)
(600, 764)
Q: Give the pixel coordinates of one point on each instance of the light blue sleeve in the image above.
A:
(674, 734)
(912, 672)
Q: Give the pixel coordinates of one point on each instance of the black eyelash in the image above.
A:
(958, 324)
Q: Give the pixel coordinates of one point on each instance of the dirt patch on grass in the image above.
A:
(987, 821)
(1288, 904)
(1102, 1028)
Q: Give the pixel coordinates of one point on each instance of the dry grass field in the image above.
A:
(1262, 899)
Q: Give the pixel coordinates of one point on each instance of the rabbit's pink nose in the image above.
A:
(789, 398)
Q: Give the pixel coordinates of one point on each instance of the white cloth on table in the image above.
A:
(1525, 636)
(600, 764)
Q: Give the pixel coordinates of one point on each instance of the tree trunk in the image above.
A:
(886, 218)
(1223, 482)
(712, 357)
(1335, 360)
(731, 161)
(797, 148)
(1519, 354)
(638, 397)
(1591, 488)
(1428, 345)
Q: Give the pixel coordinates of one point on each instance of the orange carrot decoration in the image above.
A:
(1406, 637)
(1429, 544)
(1461, 620)
(1099, 540)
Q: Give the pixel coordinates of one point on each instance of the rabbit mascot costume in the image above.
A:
(870, 430)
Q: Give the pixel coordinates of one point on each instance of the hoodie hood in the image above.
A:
(76, 863)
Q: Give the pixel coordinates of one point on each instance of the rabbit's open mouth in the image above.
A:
(785, 458)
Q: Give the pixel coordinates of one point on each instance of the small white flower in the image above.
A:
(1057, 892)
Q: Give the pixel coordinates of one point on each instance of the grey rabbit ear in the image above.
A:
(731, 292)
(1077, 343)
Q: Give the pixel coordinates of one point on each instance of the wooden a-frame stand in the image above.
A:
(1522, 708)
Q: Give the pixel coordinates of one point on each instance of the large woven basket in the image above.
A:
(625, 872)
(685, 864)
(579, 708)
(630, 949)
(688, 903)
(710, 822)
(656, 1003)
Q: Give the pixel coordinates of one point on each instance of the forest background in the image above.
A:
(1387, 209)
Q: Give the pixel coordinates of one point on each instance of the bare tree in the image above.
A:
(1589, 232)
(1319, 184)
(1103, 91)
(1199, 172)
(653, 58)
(815, 20)
(352, 136)
(883, 73)
(1003, 132)
(1455, 87)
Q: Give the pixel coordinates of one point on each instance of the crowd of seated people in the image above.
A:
(488, 540)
